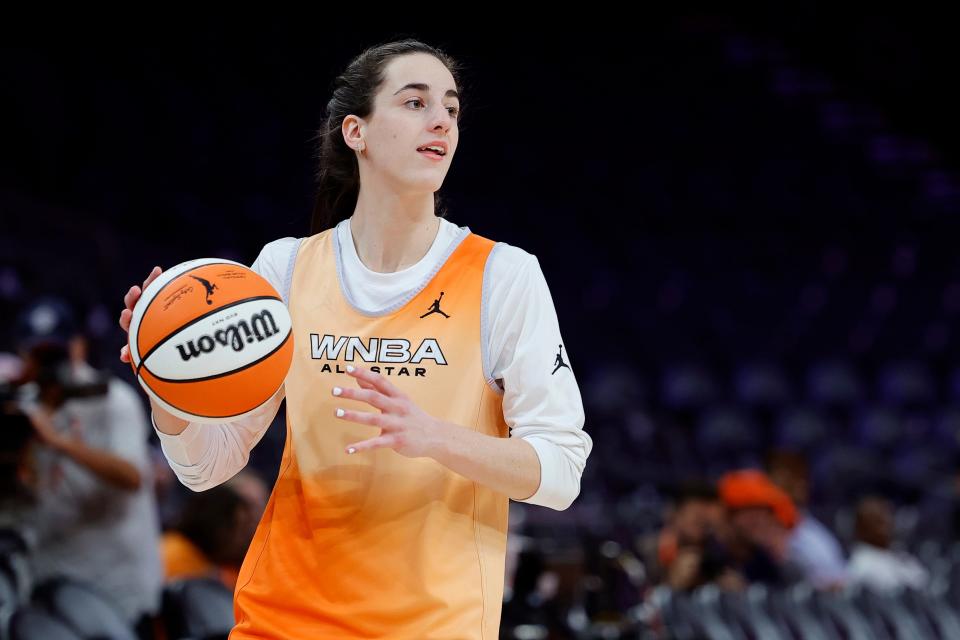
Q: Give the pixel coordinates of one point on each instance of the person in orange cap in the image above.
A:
(761, 517)
(812, 545)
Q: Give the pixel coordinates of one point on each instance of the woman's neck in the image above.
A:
(393, 235)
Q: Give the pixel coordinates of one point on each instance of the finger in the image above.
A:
(130, 297)
(380, 383)
(125, 354)
(153, 276)
(125, 316)
(373, 443)
(364, 384)
(370, 396)
(361, 417)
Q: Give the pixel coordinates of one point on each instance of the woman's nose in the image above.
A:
(441, 118)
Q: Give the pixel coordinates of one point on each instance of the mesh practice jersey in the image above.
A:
(379, 545)
(520, 347)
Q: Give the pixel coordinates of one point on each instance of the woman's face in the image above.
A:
(416, 105)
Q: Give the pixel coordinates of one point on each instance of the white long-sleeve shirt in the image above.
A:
(521, 354)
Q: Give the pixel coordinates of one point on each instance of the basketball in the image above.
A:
(210, 340)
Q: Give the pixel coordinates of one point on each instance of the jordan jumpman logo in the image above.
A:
(208, 286)
(559, 361)
(435, 307)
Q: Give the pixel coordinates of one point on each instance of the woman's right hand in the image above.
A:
(130, 300)
(165, 421)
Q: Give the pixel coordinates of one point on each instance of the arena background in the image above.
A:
(747, 221)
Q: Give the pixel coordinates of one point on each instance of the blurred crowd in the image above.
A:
(774, 399)
(86, 492)
(88, 496)
(754, 527)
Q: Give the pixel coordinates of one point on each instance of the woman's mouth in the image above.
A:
(436, 157)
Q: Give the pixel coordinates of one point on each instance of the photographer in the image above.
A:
(94, 500)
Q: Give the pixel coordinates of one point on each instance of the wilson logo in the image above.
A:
(258, 328)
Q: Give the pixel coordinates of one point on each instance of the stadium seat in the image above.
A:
(759, 385)
(727, 432)
(750, 614)
(943, 619)
(793, 608)
(800, 428)
(612, 388)
(878, 428)
(841, 474)
(197, 608)
(906, 384)
(84, 608)
(891, 612)
(841, 615)
(834, 384)
(707, 617)
(31, 623)
(9, 601)
(946, 428)
(15, 563)
(688, 387)
(676, 612)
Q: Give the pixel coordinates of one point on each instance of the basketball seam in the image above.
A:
(167, 337)
(225, 373)
(157, 295)
(143, 381)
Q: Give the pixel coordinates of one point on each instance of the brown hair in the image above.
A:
(354, 90)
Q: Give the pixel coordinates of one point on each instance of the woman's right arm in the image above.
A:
(205, 455)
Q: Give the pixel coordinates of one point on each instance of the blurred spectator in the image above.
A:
(168, 491)
(873, 563)
(762, 517)
(689, 548)
(811, 546)
(214, 530)
(252, 489)
(16, 480)
(95, 509)
(689, 519)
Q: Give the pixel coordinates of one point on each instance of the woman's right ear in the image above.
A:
(353, 133)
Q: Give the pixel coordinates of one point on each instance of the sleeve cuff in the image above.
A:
(552, 492)
(187, 447)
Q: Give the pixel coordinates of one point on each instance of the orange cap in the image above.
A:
(752, 488)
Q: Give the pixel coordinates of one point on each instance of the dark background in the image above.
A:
(710, 194)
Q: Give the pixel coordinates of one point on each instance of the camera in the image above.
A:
(48, 367)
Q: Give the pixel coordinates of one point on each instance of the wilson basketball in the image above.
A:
(210, 340)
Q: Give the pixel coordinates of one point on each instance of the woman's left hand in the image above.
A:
(404, 427)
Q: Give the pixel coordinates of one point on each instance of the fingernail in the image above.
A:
(349, 368)
(351, 450)
(339, 413)
(337, 391)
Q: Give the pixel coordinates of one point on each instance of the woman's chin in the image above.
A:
(425, 184)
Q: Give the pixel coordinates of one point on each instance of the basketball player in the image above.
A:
(429, 386)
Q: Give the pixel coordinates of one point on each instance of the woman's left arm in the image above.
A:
(543, 460)
(507, 465)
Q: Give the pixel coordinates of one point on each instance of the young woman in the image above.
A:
(429, 386)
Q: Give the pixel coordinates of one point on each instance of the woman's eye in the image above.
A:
(454, 111)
